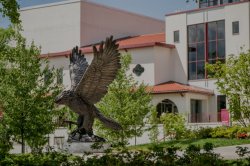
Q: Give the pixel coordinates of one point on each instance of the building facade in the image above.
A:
(170, 59)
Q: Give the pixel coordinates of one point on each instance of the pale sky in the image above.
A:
(153, 8)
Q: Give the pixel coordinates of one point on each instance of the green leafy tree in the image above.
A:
(27, 101)
(153, 131)
(173, 125)
(128, 102)
(233, 81)
(9, 8)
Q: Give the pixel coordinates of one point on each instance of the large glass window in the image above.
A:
(206, 44)
(196, 51)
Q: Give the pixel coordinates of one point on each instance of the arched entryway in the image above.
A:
(166, 106)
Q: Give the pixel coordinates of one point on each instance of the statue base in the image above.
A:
(85, 147)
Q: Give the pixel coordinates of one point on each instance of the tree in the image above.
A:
(153, 131)
(10, 9)
(128, 102)
(27, 101)
(233, 81)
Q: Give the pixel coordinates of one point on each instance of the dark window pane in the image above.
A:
(212, 2)
(192, 71)
(200, 51)
(236, 27)
(221, 49)
(212, 50)
(212, 31)
(201, 70)
(176, 36)
(221, 29)
(212, 61)
(200, 32)
(221, 102)
(203, 3)
(191, 34)
(192, 52)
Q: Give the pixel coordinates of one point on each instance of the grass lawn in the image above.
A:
(183, 144)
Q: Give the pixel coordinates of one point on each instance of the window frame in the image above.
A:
(238, 27)
(177, 32)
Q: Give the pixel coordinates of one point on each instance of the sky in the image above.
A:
(153, 8)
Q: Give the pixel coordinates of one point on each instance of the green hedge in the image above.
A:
(219, 132)
(157, 156)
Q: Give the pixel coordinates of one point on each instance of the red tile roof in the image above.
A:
(148, 40)
(175, 87)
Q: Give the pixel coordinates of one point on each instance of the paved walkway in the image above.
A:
(228, 152)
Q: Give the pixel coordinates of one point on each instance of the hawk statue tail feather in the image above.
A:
(110, 123)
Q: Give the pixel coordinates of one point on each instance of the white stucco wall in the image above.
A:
(164, 66)
(61, 26)
(174, 23)
(98, 22)
(144, 57)
(54, 27)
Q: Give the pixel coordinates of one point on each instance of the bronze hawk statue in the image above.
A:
(89, 83)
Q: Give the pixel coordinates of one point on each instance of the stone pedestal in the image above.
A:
(82, 147)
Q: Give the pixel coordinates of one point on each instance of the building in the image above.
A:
(172, 62)
(63, 25)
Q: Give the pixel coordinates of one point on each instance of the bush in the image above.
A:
(173, 125)
(203, 133)
(230, 132)
(157, 156)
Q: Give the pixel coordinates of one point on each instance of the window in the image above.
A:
(235, 27)
(207, 3)
(166, 106)
(59, 77)
(176, 36)
(206, 44)
(196, 111)
(196, 51)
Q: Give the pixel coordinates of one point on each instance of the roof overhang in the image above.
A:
(175, 87)
(142, 41)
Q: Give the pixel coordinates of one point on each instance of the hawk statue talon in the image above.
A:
(89, 83)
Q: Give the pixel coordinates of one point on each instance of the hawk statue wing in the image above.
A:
(102, 71)
(77, 67)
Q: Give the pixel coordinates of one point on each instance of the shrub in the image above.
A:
(230, 132)
(157, 156)
(173, 125)
(203, 133)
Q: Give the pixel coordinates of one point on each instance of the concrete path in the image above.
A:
(228, 152)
